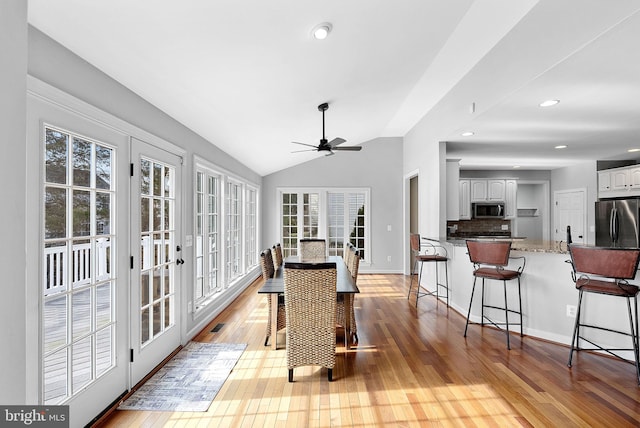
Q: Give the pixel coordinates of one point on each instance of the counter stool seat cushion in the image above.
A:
(607, 287)
(498, 274)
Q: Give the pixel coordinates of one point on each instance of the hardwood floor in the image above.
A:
(410, 368)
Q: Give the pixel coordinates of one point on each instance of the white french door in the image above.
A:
(156, 256)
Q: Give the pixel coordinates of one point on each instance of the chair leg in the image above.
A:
(576, 336)
(413, 270)
(637, 337)
(520, 307)
(266, 339)
(330, 375)
(634, 335)
(446, 279)
(482, 306)
(506, 314)
(290, 375)
(418, 284)
(473, 290)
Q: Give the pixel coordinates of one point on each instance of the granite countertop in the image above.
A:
(517, 243)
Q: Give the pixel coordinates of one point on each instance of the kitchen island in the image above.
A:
(548, 293)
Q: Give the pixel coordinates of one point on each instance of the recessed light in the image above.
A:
(549, 103)
(633, 150)
(562, 146)
(321, 31)
(516, 166)
(467, 134)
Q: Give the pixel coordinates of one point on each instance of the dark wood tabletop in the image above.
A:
(344, 281)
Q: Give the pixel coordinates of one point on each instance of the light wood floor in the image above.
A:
(410, 368)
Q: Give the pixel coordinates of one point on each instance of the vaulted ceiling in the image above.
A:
(248, 76)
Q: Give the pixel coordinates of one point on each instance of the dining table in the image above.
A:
(345, 288)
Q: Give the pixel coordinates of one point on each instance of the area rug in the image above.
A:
(189, 381)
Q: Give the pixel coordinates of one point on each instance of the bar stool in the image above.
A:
(610, 269)
(433, 253)
(489, 260)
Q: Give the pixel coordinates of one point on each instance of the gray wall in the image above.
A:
(379, 167)
(13, 75)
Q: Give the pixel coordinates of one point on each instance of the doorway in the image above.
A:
(570, 210)
(155, 283)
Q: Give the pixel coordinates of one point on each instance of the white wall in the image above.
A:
(377, 166)
(13, 74)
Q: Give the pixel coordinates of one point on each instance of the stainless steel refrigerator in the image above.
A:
(617, 223)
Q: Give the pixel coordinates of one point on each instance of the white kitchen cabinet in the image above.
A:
(487, 190)
(496, 190)
(619, 182)
(464, 193)
(510, 200)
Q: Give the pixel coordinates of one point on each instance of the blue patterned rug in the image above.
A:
(189, 381)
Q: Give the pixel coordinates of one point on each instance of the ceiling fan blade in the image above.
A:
(304, 144)
(336, 141)
(348, 148)
(330, 153)
(308, 150)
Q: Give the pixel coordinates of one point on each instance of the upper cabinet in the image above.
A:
(510, 200)
(465, 200)
(619, 182)
(487, 190)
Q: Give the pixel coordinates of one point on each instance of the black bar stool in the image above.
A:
(610, 268)
(489, 260)
(434, 253)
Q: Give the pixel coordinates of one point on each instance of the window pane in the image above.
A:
(81, 313)
(103, 213)
(81, 162)
(55, 213)
(55, 378)
(81, 363)
(145, 209)
(157, 179)
(145, 177)
(104, 350)
(81, 213)
(104, 312)
(103, 167)
(56, 156)
(55, 323)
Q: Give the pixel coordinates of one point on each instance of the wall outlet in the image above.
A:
(388, 258)
(571, 311)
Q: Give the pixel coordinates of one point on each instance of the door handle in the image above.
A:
(179, 261)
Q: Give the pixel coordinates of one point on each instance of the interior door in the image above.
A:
(155, 286)
(570, 210)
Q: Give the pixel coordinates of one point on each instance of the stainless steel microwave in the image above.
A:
(488, 209)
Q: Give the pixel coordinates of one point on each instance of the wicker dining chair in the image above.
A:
(310, 307)
(353, 264)
(276, 253)
(268, 270)
(312, 248)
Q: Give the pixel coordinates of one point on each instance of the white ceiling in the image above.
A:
(247, 75)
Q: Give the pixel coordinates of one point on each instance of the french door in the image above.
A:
(156, 256)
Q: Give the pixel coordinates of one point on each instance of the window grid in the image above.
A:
(78, 280)
(251, 245)
(341, 214)
(233, 224)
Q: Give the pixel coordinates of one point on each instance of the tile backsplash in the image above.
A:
(479, 226)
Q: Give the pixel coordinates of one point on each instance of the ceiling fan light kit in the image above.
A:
(325, 145)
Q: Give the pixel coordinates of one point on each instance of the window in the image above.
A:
(225, 230)
(251, 229)
(233, 231)
(338, 215)
(78, 282)
(298, 209)
(207, 240)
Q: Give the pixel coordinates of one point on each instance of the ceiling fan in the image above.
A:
(327, 146)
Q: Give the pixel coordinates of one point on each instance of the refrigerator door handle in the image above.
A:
(614, 225)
